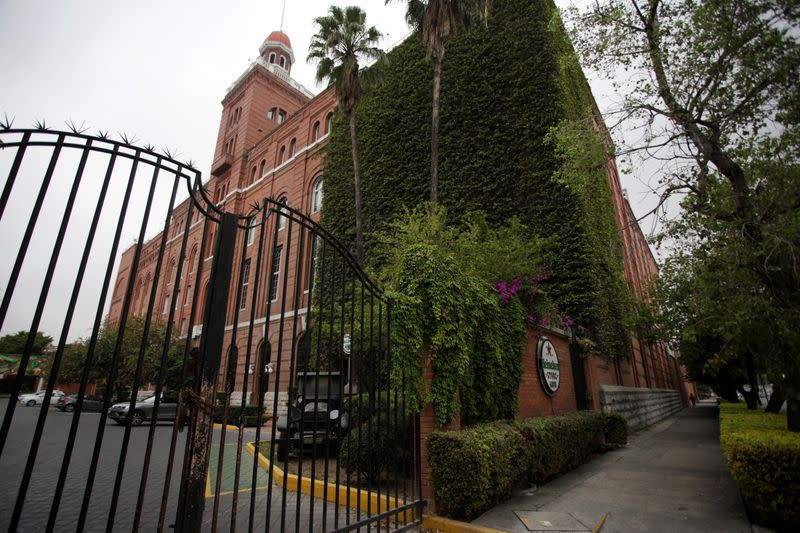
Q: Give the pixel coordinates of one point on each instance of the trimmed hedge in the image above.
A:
(764, 459)
(616, 431)
(475, 468)
(478, 467)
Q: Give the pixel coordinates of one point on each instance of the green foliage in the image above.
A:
(555, 445)
(616, 430)
(478, 467)
(14, 343)
(475, 468)
(499, 103)
(370, 449)
(235, 413)
(75, 356)
(764, 459)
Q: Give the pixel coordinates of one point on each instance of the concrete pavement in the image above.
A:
(671, 477)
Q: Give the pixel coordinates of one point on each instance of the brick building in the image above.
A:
(271, 135)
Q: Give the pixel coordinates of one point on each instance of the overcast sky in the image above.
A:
(155, 69)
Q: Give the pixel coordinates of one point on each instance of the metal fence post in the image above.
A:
(192, 497)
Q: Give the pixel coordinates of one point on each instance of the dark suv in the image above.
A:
(316, 412)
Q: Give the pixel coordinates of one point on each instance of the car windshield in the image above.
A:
(150, 399)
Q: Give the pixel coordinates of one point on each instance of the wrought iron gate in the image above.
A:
(263, 349)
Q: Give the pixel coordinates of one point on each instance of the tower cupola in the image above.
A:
(277, 50)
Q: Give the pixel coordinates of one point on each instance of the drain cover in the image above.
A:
(542, 521)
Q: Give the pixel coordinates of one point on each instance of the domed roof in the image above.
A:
(280, 37)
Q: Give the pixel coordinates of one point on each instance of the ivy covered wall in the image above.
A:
(512, 94)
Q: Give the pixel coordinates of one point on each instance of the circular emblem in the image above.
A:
(549, 367)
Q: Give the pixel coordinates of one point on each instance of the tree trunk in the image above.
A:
(751, 397)
(776, 399)
(437, 87)
(357, 183)
(727, 389)
(791, 389)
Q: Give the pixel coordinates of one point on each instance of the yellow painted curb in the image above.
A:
(600, 524)
(228, 427)
(447, 525)
(368, 500)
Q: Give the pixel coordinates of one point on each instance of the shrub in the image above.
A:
(369, 449)
(360, 407)
(554, 445)
(764, 459)
(235, 411)
(616, 431)
(475, 468)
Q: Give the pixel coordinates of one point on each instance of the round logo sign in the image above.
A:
(549, 367)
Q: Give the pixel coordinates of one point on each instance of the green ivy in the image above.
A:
(513, 98)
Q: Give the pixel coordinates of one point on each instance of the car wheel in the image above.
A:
(69, 408)
(31, 403)
(137, 418)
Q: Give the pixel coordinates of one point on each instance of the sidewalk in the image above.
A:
(671, 477)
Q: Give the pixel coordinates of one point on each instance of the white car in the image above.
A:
(38, 398)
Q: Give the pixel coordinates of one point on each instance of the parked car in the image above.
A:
(143, 410)
(70, 402)
(37, 398)
(317, 411)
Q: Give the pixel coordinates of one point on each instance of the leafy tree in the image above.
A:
(14, 343)
(439, 20)
(713, 91)
(341, 41)
(75, 357)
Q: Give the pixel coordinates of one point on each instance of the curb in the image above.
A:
(227, 427)
(447, 525)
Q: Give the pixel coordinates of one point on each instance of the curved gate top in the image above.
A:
(207, 370)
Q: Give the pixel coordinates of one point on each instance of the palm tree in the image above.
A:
(439, 20)
(341, 41)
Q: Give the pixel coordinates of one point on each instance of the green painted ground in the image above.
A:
(228, 475)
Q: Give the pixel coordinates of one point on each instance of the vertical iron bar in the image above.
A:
(361, 398)
(142, 347)
(190, 515)
(73, 430)
(12, 281)
(242, 417)
(12, 173)
(372, 398)
(388, 429)
(37, 434)
(186, 351)
(87, 494)
(328, 418)
(345, 356)
(351, 419)
(164, 354)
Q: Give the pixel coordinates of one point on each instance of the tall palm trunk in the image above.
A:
(357, 180)
(437, 87)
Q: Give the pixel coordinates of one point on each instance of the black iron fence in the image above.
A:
(263, 350)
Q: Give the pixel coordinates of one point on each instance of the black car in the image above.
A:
(316, 412)
(90, 403)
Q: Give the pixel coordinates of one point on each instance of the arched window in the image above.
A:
(262, 168)
(316, 196)
(253, 176)
(329, 122)
(315, 131)
(271, 113)
(281, 116)
(283, 62)
(272, 57)
(281, 154)
(282, 218)
(292, 148)
(192, 257)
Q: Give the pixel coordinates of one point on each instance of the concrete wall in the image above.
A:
(640, 407)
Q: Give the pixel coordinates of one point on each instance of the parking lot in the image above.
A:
(284, 514)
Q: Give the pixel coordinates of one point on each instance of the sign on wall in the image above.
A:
(549, 367)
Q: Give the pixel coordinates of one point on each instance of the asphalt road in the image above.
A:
(48, 464)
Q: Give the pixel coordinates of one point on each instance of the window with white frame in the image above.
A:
(166, 305)
(277, 255)
(251, 230)
(245, 284)
(281, 116)
(186, 296)
(177, 298)
(282, 214)
(316, 196)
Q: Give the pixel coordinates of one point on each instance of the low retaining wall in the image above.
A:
(640, 407)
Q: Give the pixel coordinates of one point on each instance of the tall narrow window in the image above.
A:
(186, 296)
(315, 132)
(253, 176)
(281, 116)
(283, 62)
(251, 230)
(166, 305)
(271, 113)
(281, 154)
(272, 57)
(177, 298)
(282, 214)
(329, 122)
(292, 148)
(277, 255)
(245, 284)
(316, 196)
(191, 261)
(262, 168)
(314, 252)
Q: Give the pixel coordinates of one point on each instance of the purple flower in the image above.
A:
(567, 322)
(536, 280)
(544, 321)
(531, 319)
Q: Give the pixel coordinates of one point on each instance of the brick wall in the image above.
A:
(533, 401)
